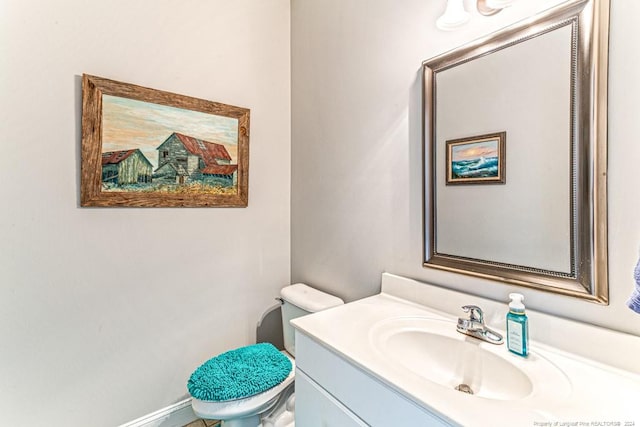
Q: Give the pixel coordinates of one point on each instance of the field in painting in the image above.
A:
(193, 188)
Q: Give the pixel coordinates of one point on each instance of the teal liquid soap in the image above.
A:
(517, 327)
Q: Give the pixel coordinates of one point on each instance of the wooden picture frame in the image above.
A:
(143, 147)
(477, 159)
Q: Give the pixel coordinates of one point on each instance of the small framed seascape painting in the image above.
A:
(143, 147)
(477, 159)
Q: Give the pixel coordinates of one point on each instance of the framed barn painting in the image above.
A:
(477, 159)
(148, 148)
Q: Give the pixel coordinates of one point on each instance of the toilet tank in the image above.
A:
(300, 300)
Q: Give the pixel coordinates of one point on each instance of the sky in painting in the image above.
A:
(129, 124)
(475, 150)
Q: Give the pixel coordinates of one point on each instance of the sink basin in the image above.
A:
(432, 349)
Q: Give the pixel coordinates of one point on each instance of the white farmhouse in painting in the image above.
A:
(183, 159)
(125, 167)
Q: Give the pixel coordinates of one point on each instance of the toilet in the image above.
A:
(275, 406)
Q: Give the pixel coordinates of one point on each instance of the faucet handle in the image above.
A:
(475, 313)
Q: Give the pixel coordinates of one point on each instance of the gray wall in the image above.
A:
(104, 313)
(356, 149)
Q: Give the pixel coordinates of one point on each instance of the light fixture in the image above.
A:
(485, 10)
(454, 16)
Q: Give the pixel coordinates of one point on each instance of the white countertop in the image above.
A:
(598, 393)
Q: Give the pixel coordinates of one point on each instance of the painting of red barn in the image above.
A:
(143, 147)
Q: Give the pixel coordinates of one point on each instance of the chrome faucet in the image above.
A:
(474, 326)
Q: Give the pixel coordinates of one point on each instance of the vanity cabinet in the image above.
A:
(387, 360)
(331, 391)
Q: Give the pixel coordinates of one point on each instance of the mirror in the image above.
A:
(515, 154)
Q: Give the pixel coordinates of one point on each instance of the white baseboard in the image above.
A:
(176, 415)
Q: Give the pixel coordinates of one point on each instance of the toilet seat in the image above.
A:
(248, 406)
(274, 407)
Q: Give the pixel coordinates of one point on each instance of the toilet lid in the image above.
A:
(239, 373)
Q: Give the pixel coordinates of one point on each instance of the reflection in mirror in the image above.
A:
(523, 90)
(524, 108)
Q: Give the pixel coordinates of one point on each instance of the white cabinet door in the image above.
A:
(373, 402)
(317, 408)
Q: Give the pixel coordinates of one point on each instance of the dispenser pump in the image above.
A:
(516, 305)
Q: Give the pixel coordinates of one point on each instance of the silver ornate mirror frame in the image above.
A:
(589, 23)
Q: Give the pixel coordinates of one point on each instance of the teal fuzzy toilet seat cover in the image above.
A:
(239, 373)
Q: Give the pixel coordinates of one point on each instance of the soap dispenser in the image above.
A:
(517, 327)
